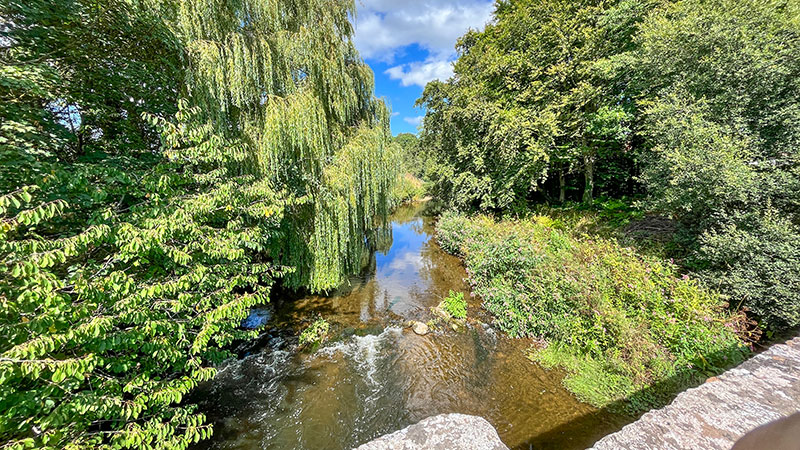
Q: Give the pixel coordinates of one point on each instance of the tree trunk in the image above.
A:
(588, 172)
(562, 185)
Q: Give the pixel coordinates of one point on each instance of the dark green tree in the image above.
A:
(722, 120)
(535, 95)
(411, 157)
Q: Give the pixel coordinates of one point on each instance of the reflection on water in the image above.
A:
(379, 377)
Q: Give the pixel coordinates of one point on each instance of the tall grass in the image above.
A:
(620, 323)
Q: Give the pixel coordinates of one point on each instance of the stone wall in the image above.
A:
(723, 409)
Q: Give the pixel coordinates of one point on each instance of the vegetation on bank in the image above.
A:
(407, 189)
(692, 106)
(455, 305)
(412, 154)
(627, 328)
(409, 186)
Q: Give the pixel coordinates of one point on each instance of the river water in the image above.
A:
(376, 376)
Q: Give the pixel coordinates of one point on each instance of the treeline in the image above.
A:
(693, 106)
(164, 163)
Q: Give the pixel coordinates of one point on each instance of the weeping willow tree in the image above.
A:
(284, 77)
(165, 162)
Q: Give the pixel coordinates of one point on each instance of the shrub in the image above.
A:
(618, 322)
(315, 334)
(407, 188)
(757, 263)
(721, 123)
(455, 305)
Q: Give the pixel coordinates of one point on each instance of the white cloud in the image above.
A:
(384, 27)
(395, 114)
(421, 73)
(387, 30)
(409, 260)
(416, 121)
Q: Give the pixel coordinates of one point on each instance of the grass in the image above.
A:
(619, 322)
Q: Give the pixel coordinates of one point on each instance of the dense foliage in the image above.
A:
(407, 188)
(626, 327)
(721, 112)
(164, 163)
(533, 97)
(693, 105)
(412, 156)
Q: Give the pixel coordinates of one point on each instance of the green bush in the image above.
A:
(618, 322)
(315, 333)
(107, 327)
(721, 121)
(455, 305)
(756, 262)
(407, 188)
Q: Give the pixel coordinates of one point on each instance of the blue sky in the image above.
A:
(411, 42)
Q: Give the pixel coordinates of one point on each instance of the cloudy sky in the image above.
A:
(410, 42)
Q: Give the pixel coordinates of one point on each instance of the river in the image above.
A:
(376, 376)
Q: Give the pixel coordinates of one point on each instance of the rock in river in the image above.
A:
(443, 432)
(419, 328)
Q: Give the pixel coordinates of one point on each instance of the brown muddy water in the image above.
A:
(376, 376)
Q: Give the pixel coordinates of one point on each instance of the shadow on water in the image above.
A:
(658, 395)
(376, 376)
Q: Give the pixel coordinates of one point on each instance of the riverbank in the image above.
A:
(628, 330)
